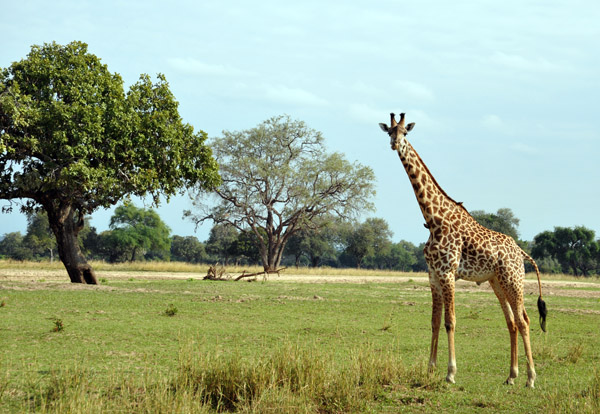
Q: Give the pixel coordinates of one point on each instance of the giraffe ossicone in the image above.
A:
(460, 248)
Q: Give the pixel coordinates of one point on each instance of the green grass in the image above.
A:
(198, 346)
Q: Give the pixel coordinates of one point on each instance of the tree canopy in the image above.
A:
(73, 141)
(504, 221)
(277, 178)
(135, 231)
(369, 238)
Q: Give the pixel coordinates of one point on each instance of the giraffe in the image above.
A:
(460, 248)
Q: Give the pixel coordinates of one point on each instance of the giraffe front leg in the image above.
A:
(436, 319)
(447, 285)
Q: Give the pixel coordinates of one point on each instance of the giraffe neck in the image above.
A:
(435, 204)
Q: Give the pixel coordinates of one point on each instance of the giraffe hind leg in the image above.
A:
(514, 294)
(512, 330)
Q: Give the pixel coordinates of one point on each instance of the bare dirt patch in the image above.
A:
(57, 279)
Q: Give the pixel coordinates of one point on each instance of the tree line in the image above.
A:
(138, 234)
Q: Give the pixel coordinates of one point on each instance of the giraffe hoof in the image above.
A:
(510, 381)
(450, 379)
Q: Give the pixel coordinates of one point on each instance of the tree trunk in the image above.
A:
(66, 229)
(272, 257)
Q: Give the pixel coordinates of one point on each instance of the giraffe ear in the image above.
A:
(384, 127)
(410, 126)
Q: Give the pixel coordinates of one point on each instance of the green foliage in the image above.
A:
(368, 239)
(220, 241)
(12, 246)
(70, 129)
(187, 249)
(135, 232)
(245, 248)
(58, 325)
(171, 310)
(316, 244)
(574, 248)
(39, 238)
(504, 221)
(402, 256)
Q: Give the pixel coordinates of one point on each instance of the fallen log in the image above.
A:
(264, 273)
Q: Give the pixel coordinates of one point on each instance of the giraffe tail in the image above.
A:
(542, 309)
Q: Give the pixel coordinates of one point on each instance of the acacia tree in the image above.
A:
(276, 179)
(73, 141)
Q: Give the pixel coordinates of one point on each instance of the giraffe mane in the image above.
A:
(436, 183)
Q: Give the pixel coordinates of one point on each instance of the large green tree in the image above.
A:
(73, 141)
(277, 178)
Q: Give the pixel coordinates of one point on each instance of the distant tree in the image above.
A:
(504, 221)
(277, 179)
(316, 244)
(138, 231)
(402, 256)
(11, 246)
(244, 248)
(575, 249)
(73, 141)
(89, 240)
(187, 249)
(39, 238)
(367, 238)
(421, 263)
(220, 241)
(111, 248)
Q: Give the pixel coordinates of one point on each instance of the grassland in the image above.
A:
(151, 339)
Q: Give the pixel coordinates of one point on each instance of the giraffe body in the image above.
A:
(460, 248)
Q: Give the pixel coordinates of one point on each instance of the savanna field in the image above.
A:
(157, 338)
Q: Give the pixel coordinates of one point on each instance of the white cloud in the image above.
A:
(526, 64)
(415, 90)
(196, 67)
(296, 96)
(523, 148)
(492, 122)
(366, 114)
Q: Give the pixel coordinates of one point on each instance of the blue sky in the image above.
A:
(505, 95)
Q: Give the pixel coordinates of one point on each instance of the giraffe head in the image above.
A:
(397, 131)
